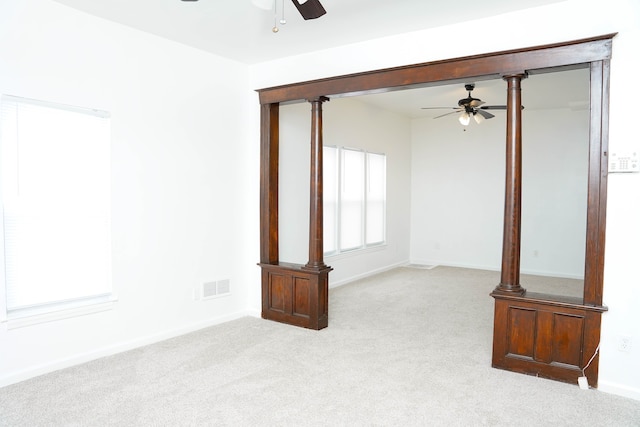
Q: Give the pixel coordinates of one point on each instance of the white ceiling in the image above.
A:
(238, 30)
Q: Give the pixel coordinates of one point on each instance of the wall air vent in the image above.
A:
(215, 289)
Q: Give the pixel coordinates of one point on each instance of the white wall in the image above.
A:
(184, 191)
(458, 191)
(569, 20)
(347, 123)
(555, 170)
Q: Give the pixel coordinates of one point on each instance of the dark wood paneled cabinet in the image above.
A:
(551, 339)
(295, 296)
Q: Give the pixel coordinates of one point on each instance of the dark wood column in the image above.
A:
(510, 272)
(292, 293)
(269, 165)
(316, 250)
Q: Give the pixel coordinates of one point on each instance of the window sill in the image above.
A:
(34, 317)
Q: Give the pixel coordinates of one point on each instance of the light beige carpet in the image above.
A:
(409, 347)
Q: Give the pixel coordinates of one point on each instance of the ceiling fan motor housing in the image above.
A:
(466, 102)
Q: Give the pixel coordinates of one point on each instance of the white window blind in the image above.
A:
(354, 196)
(352, 199)
(56, 203)
(330, 198)
(376, 197)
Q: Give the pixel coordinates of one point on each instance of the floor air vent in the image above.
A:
(421, 266)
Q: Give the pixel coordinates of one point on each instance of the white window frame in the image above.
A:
(49, 311)
(335, 216)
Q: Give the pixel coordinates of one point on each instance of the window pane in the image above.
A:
(330, 198)
(352, 200)
(376, 198)
(56, 203)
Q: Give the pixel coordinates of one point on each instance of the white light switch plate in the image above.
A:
(622, 161)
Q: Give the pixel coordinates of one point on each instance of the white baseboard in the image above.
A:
(457, 265)
(619, 389)
(363, 275)
(497, 268)
(78, 359)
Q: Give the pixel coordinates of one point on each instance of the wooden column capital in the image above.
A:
(319, 99)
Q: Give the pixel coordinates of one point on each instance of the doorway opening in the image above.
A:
(535, 333)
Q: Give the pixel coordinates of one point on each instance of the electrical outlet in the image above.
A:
(624, 343)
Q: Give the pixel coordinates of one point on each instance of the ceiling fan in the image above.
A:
(309, 9)
(470, 107)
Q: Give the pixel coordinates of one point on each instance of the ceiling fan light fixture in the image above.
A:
(464, 119)
(479, 118)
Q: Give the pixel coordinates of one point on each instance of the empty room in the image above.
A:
(320, 212)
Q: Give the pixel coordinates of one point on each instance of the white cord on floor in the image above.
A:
(583, 382)
(590, 360)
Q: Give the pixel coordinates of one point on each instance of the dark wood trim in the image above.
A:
(553, 300)
(597, 188)
(269, 164)
(539, 335)
(491, 65)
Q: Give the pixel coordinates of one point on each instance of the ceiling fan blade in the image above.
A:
(497, 107)
(485, 114)
(446, 114)
(475, 103)
(440, 108)
(310, 9)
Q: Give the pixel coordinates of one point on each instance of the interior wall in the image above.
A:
(564, 21)
(555, 174)
(458, 191)
(175, 150)
(348, 123)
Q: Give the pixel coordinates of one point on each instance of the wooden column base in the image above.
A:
(547, 336)
(294, 295)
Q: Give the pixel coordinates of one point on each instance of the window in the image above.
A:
(354, 195)
(55, 206)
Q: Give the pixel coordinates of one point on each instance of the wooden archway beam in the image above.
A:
(493, 65)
